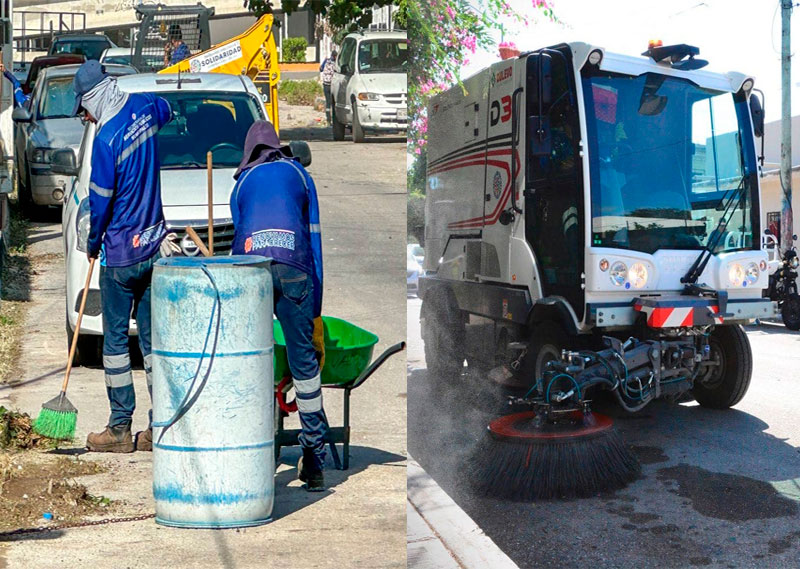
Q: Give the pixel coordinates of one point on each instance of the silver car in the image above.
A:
(44, 126)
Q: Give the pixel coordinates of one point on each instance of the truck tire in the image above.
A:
(725, 384)
(790, 312)
(358, 132)
(545, 343)
(338, 127)
(443, 335)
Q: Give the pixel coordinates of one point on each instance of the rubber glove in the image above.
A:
(318, 340)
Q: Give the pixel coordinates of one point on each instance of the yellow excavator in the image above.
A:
(252, 53)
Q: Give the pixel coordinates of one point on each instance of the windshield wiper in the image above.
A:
(699, 265)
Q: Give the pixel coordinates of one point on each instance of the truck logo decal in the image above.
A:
(497, 183)
(496, 115)
(481, 158)
(502, 75)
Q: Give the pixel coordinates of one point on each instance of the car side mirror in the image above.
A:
(301, 151)
(21, 114)
(344, 69)
(63, 162)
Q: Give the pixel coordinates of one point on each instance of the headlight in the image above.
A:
(794, 262)
(638, 275)
(42, 155)
(751, 274)
(83, 223)
(369, 97)
(618, 273)
(736, 274)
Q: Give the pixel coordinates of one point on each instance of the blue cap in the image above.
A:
(89, 74)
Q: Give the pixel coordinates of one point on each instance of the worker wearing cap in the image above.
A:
(275, 214)
(20, 98)
(127, 230)
(175, 51)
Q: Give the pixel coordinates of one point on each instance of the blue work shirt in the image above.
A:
(20, 98)
(276, 214)
(181, 52)
(125, 187)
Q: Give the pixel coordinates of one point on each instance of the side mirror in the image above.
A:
(21, 114)
(540, 140)
(301, 151)
(63, 162)
(757, 114)
(344, 69)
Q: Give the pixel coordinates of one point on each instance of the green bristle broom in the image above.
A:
(58, 417)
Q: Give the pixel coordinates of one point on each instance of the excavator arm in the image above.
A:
(252, 53)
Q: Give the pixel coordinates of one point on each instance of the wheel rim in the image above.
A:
(547, 352)
(715, 374)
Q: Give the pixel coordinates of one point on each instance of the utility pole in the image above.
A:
(786, 128)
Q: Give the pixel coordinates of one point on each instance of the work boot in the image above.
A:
(144, 440)
(309, 472)
(111, 439)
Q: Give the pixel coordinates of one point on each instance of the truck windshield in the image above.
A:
(204, 121)
(664, 154)
(382, 56)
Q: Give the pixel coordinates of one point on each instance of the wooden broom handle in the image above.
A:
(197, 241)
(209, 160)
(77, 330)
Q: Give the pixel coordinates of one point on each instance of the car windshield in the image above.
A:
(92, 49)
(206, 121)
(664, 156)
(126, 59)
(57, 98)
(382, 56)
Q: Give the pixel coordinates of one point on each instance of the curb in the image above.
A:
(461, 536)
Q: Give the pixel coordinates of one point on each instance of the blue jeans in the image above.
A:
(122, 290)
(294, 306)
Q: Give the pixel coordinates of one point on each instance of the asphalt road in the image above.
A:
(719, 488)
(362, 200)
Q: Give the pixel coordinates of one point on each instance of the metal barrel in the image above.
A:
(213, 428)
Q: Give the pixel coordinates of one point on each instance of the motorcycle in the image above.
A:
(783, 288)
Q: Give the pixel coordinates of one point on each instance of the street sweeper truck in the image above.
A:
(592, 222)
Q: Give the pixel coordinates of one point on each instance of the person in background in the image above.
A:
(20, 98)
(127, 232)
(175, 51)
(276, 214)
(325, 75)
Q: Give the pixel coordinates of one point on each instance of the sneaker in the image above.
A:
(144, 440)
(310, 473)
(111, 439)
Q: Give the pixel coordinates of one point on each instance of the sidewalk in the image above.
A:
(440, 534)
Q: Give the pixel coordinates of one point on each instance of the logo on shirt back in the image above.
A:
(281, 238)
(149, 235)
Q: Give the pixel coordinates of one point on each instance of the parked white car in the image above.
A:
(369, 85)
(213, 111)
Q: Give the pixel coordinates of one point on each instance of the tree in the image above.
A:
(444, 33)
(346, 15)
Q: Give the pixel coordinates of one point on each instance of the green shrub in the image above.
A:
(300, 92)
(294, 50)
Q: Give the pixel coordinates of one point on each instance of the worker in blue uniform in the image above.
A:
(275, 214)
(127, 230)
(176, 50)
(20, 98)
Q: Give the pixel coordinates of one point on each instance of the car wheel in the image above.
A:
(724, 384)
(25, 198)
(88, 352)
(358, 132)
(338, 127)
(790, 312)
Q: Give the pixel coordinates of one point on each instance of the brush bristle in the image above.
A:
(59, 425)
(523, 470)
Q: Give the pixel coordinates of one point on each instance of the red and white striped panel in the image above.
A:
(667, 317)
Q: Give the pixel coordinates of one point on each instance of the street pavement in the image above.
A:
(360, 521)
(719, 489)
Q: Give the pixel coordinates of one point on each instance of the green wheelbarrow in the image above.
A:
(348, 364)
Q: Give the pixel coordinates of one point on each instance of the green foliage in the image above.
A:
(300, 92)
(293, 50)
(401, 15)
(342, 14)
(415, 212)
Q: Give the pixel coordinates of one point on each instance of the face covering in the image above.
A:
(104, 101)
